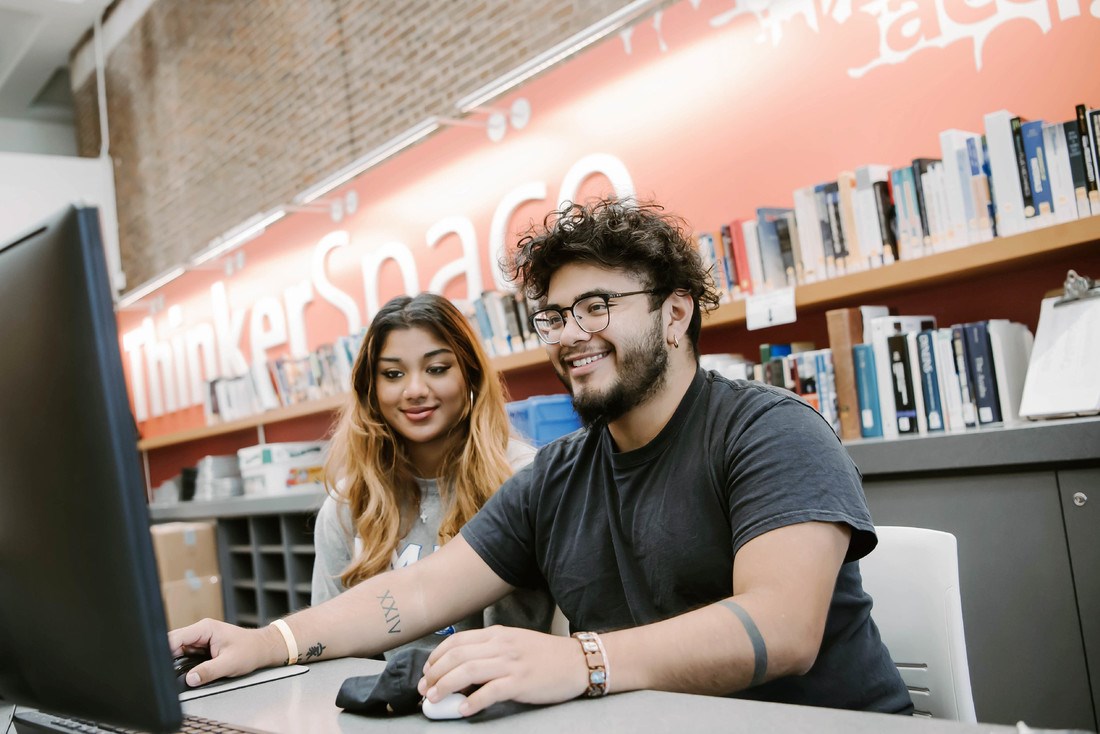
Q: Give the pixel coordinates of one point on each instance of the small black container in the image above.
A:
(187, 483)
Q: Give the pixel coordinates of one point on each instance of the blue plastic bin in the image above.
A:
(542, 418)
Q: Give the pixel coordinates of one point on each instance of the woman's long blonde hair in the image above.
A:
(370, 461)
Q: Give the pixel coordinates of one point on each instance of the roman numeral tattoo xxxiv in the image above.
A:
(389, 608)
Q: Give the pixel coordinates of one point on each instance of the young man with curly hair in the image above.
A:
(700, 534)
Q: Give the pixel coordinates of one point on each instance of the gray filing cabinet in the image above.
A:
(1029, 556)
(265, 551)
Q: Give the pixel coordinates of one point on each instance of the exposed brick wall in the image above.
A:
(221, 109)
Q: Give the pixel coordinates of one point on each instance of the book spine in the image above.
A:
(836, 225)
(845, 327)
(1061, 182)
(983, 378)
(821, 205)
(1077, 169)
(786, 251)
(1037, 172)
(1094, 146)
(809, 231)
(948, 380)
(912, 207)
(920, 167)
(1087, 151)
(1021, 167)
(870, 418)
(741, 257)
(826, 387)
(846, 189)
(914, 374)
(1004, 174)
(887, 221)
(807, 379)
(905, 406)
(930, 381)
(962, 369)
(724, 259)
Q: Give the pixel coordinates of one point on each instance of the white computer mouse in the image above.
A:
(446, 708)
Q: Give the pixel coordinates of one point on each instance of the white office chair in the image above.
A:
(913, 577)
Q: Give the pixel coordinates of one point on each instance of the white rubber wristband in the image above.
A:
(288, 638)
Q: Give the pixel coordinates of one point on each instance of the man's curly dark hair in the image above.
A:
(622, 234)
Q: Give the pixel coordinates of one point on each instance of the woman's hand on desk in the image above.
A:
(509, 664)
(234, 651)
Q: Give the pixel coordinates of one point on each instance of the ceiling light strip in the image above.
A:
(132, 297)
(371, 159)
(231, 240)
(575, 43)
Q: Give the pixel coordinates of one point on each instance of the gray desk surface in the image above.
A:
(306, 703)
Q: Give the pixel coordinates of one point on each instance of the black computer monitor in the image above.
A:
(82, 627)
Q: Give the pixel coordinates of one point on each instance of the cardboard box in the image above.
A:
(185, 550)
(188, 600)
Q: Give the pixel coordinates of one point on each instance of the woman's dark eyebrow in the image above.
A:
(427, 355)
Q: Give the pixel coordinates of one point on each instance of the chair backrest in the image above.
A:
(913, 578)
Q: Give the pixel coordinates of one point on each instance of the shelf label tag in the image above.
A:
(770, 309)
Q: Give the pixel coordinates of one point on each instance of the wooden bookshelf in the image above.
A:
(503, 364)
(1001, 253)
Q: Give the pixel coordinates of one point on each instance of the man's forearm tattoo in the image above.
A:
(314, 651)
(759, 649)
(389, 608)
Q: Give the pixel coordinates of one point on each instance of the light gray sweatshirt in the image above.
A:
(336, 544)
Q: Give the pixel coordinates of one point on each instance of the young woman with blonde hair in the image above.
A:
(421, 445)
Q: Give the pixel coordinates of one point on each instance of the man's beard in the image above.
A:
(643, 367)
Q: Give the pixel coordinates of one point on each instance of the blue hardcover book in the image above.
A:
(708, 251)
(729, 269)
(987, 170)
(982, 373)
(1037, 167)
(870, 417)
(483, 324)
(771, 253)
(930, 382)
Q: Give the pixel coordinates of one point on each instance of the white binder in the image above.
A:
(1063, 375)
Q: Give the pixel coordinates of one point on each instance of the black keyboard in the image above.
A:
(38, 721)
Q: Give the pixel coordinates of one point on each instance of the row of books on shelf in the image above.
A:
(284, 381)
(500, 319)
(884, 376)
(1017, 176)
(899, 375)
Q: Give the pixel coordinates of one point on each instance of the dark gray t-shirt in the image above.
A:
(630, 538)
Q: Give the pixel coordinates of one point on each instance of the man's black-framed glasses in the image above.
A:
(592, 314)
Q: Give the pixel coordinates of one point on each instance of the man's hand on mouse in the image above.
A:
(234, 651)
(509, 664)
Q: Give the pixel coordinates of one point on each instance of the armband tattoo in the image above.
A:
(759, 649)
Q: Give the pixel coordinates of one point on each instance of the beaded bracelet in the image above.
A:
(599, 668)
